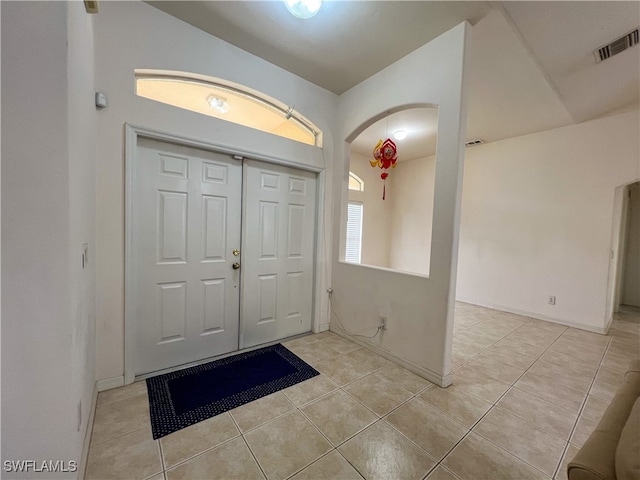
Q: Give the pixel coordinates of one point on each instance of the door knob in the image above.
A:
(236, 252)
(236, 266)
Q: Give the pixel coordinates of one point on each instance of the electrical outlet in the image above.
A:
(552, 300)
(383, 323)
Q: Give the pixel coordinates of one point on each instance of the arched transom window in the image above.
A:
(227, 101)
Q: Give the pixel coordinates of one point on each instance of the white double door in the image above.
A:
(222, 252)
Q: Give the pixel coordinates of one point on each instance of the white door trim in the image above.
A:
(132, 132)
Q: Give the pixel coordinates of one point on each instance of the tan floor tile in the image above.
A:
(441, 473)
(429, 428)
(563, 374)
(330, 467)
(586, 338)
(342, 370)
(339, 344)
(509, 356)
(115, 394)
(568, 456)
(286, 445)
(606, 383)
(404, 378)
(522, 439)
(378, 394)
(517, 345)
(555, 393)
(550, 326)
(616, 360)
(261, 411)
(133, 456)
(338, 416)
(183, 444)
(367, 359)
(313, 353)
(160, 476)
(551, 418)
(116, 418)
(496, 368)
(478, 459)
(476, 382)
(229, 461)
(381, 453)
(590, 416)
(309, 390)
(300, 341)
(583, 364)
(571, 347)
(456, 403)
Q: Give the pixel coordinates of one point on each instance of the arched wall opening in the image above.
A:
(396, 210)
(418, 309)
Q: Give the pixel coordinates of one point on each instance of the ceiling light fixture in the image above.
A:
(218, 104)
(303, 8)
(399, 134)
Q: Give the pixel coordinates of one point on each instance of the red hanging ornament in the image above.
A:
(385, 156)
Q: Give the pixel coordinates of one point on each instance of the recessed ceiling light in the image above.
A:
(219, 104)
(303, 8)
(400, 135)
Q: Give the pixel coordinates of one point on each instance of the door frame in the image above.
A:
(132, 133)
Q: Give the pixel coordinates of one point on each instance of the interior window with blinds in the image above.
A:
(354, 232)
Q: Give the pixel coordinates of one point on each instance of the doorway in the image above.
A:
(221, 254)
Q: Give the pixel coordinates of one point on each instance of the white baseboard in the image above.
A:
(88, 432)
(322, 328)
(538, 316)
(433, 377)
(109, 383)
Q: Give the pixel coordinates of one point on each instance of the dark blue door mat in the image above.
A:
(182, 398)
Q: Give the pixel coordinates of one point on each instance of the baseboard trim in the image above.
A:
(322, 328)
(433, 377)
(537, 316)
(109, 383)
(87, 434)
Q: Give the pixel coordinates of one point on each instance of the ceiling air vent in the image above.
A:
(473, 143)
(617, 46)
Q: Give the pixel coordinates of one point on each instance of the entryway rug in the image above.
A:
(180, 399)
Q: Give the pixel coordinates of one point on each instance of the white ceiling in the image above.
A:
(532, 64)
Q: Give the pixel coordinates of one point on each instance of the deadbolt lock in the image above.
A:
(236, 252)
(236, 266)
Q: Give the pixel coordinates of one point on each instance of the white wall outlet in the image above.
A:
(383, 323)
(552, 300)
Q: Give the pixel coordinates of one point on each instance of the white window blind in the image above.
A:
(354, 232)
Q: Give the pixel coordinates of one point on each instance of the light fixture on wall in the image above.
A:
(400, 134)
(218, 104)
(303, 8)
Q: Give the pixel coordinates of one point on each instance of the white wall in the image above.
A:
(631, 291)
(419, 310)
(47, 147)
(412, 182)
(376, 221)
(537, 214)
(132, 35)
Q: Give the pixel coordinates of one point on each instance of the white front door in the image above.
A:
(186, 224)
(278, 252)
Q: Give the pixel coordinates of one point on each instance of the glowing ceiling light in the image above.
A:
(400, 135)
(303, 8)
(217, 103)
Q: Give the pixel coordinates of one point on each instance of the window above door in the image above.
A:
(227, 101)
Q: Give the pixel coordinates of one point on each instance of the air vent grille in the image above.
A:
(617, 46)
(473, 143)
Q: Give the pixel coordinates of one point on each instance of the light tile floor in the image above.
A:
(526, 395)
